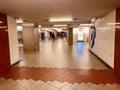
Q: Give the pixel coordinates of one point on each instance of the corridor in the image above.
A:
(58, 66)
(61, 55)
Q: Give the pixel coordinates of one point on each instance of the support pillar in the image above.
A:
(70, 36)
(36, 37)
(13, 40)
(30, 38)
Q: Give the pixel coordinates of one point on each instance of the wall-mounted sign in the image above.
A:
(3, 26)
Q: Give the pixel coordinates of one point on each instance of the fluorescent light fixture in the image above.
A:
(61, 19)
(60, 25)
(113, 23)
(86, 25)
(19, 21)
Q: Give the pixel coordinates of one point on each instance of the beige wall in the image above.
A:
(85, 31)
(75, 34)
(30, 38)
(105, 38)
(13, 40)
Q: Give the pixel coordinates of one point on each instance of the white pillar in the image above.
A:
(13, 40)
(30, 38)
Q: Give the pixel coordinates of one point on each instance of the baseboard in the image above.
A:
(101, 60)
(17, 62)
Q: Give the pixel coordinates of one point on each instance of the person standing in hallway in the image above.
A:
(53, 37)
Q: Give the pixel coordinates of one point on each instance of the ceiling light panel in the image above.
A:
(61, 19)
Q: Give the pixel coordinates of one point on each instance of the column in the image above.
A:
(70, 36)
(30, 38)
(36, 37)
(13, 40)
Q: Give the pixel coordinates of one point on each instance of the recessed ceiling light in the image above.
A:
(61, 19)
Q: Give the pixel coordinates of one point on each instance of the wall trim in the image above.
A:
(101, 60)
(17, 62)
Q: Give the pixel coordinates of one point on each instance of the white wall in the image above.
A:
(85, 31)
(105, 38)
(75, 34)
(13, 40)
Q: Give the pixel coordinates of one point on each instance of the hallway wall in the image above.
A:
(75, 34)
(105, 38)
(13, 39)
(85, 31)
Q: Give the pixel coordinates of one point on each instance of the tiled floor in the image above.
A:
(61, 55)
(55, 85)
(62, 75)
(58, 66)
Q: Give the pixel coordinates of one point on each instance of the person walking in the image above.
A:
(53, 37)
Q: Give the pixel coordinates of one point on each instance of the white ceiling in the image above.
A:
(39, 11)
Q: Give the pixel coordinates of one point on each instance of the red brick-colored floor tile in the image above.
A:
(61, 75)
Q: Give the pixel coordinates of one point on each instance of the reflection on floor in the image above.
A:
(58, 66)
(60, 55)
